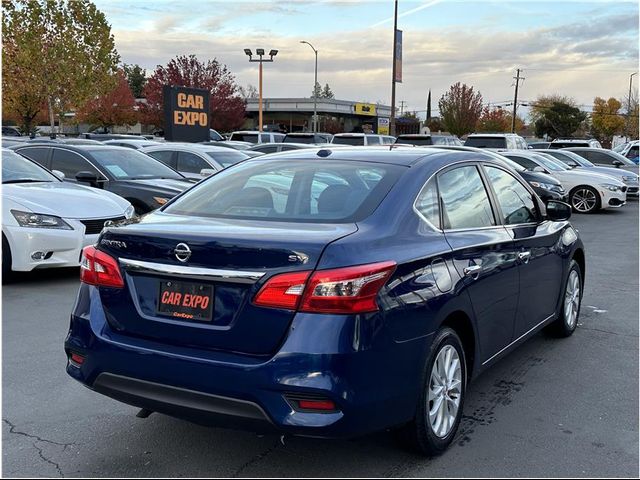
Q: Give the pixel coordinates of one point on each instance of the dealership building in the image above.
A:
(296, 115)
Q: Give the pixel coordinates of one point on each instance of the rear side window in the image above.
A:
(427, 203)
(373, 140)
(486, 142)
(465, 202)
(291, 191)
(245, 137)
(525, 162)
(165, 156)
(37, 154)
(515, 201)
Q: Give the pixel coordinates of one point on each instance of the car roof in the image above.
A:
(389, 154)
(196, 147)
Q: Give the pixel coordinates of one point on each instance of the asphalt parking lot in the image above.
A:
(552, 408)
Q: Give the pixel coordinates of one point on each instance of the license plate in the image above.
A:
(188, 301)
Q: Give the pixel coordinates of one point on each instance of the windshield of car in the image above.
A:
(291, 191)
(625, 161)
(17, 169)
(570, 158)
(131, 164)
(486, 142)
(553, 165)
(228, 157)
(348, 140)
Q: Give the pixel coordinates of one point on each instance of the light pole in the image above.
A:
(629, 104)
(315, 97)
(260, 53)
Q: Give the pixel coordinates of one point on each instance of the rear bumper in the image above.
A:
(372, 389)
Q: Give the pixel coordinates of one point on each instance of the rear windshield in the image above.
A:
(415, 140)
(291, 191)
(348, 140)
(299, 139)
(227, 158)
(245, 137)
(486, 142)
(568, 144)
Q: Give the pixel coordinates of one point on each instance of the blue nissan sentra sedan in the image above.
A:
(326, 293)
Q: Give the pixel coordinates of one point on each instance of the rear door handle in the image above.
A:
(524, 257)
(472, 271)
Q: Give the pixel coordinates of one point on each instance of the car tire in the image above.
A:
(584, 199)
(567, 321)
(424, 433)
(7, 272)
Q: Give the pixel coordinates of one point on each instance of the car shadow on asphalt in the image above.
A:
(43, 275)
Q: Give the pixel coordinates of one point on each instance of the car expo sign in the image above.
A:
(186, 114)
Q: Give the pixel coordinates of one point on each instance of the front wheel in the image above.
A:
(442, 396)
(584, 199)
(566, 323)
(6, 260)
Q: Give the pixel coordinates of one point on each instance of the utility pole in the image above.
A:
(392, 120)
(314, 123)
(629, 106)
(402, 104)
(517, 78)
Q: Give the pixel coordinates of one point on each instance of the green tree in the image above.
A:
(460, 109)
(559, 119)
(136, 77)
(59, 51)
(317, 91)
(326, 92)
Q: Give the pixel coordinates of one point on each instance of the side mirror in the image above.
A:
(58, 174)
(618, 163)
(539, 169)
(205, 172)
(87, 177)
(558, 211)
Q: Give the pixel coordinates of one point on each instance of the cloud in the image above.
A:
(583, 58)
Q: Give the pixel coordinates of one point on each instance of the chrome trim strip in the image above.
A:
(518, 339)
(231, 276)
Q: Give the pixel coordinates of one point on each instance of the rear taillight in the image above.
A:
(282, 291)
(342, 290)
(98, 268)
(346, 290)
(311, 403)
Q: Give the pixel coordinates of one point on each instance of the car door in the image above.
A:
(483, 254)
(535, 244)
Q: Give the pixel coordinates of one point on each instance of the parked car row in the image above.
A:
(148, 174)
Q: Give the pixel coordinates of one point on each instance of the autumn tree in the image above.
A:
(460, 109)
(494, 120)
(60, 53)
(227, 107)
(606, 120)
(117, 107)
(136, 77)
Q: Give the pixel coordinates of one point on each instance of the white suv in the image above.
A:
(362, 139)
(496, 141)
(254, 136)
(575, 142)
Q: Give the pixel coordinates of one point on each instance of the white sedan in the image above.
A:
(588, 192)
(46, 222)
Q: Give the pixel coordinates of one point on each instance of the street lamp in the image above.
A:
(629, 104)
(260, 53)
(315, 97)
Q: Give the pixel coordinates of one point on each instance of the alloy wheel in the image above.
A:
(445, 391)
(572, 300)
(584, 200)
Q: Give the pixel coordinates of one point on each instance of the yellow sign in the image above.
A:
(383, 126)
(366, 109)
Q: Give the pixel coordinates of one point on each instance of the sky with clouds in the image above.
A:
(579, 49)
